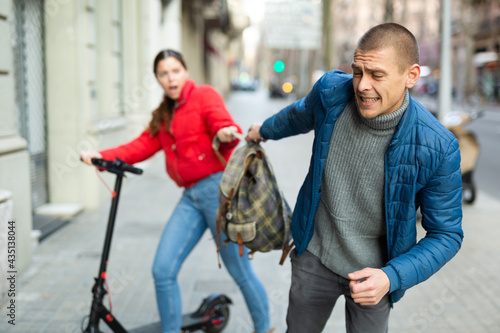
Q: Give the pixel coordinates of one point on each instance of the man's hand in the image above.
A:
(226, 134)
(253, 134)
(368, 286)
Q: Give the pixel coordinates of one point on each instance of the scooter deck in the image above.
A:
(187, 321)
(150, 328)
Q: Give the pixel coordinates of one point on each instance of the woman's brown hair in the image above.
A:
(166, 107)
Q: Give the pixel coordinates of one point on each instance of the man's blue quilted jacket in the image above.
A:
(422, 169)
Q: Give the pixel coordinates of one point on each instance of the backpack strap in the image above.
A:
(240, 245)
(218, 236)
(216, 146)
(218, 239)
(286, 249)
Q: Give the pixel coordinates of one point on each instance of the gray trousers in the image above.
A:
(313, 294)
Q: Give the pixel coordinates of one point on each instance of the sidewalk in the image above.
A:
(54, 295)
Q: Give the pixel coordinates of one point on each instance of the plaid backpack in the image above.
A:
(252, 210)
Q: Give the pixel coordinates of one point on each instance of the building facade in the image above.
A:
(15, 179)
(77, 75)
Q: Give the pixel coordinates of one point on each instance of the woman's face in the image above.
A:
(172, 76)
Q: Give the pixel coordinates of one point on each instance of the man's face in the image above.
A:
(378, 82)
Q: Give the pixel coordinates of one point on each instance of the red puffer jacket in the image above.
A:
(189, 155)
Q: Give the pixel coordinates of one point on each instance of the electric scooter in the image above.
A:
(212, 315)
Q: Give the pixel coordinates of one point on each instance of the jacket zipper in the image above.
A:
(174, 148)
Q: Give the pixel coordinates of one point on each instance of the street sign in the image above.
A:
(293, 24)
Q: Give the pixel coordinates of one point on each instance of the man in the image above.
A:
(378, 156)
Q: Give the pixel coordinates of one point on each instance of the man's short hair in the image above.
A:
(393, 35)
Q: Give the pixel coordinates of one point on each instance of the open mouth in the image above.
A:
(369, 100)
(173, 90)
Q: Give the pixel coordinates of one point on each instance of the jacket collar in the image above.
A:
(406, 124)
(341, 94)
(186, 91)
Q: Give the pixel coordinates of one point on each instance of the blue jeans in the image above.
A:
(195, 212)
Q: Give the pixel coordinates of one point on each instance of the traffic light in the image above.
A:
(279, 66)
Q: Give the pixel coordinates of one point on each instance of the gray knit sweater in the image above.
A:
(349, 226)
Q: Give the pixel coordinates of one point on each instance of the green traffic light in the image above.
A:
(279, 66)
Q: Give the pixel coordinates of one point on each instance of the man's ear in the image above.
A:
(413, 75)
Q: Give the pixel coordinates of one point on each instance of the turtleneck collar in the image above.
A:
(386, 121)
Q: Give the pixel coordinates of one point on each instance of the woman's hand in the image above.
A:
(225, 134)
(88, 155)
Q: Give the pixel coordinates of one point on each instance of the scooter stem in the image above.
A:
(98, 310)
(111, 224)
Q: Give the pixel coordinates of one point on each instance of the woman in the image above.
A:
(183, 126)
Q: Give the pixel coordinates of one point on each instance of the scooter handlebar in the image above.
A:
(116, 165)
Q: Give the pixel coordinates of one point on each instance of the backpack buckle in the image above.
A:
(250, 254)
